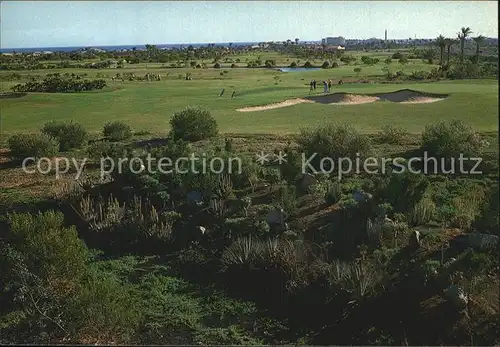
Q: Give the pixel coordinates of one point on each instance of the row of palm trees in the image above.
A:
(446, 43)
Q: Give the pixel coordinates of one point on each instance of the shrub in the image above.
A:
(402, 190)
(488, 220)
(117, 131)
(269, 63)
(32, 145)
(233, 335)
(272, 176)
(233, 66)
(422, 212)
(293, 64)
(461, 221)
(308, 64)
(333, 193)
(242, 227)
(393, 135)
(244, 250)
(357, 70)
(55, 251)
(105, 307)
(103, 149)
(419, 75)
(335, 64)
(169, 308)
(397, 55)
(388, 61)
(450, 139)
(369, 60)
(325, 65)
(228, 145)
(347, 59)
(193, 124)
(332, 141)
(318, 190)
(42, 266)
(292, 168)
(55, 83)
(217, 66)
(403, 61)
(287, 199)
(70, 134)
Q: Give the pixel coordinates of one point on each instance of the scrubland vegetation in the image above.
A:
(267, 255)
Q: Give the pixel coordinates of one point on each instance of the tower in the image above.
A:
(385, 35)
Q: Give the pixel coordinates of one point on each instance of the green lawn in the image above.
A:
(149, 105)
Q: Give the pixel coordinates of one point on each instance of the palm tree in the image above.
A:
(441, 43)
(449, 44)
(478, 40)
(462, 35)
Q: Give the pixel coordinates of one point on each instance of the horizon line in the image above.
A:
(207, 43)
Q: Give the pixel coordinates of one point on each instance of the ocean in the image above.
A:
(118, 48)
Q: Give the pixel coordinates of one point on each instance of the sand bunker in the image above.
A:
(343, 99)
(405, 96)
(408, 96)
(285, 103)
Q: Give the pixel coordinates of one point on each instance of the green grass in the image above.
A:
(148, 106)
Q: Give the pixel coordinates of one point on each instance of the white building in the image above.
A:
(335, 41)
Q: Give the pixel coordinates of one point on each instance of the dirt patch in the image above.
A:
(285, 103)
(404, 96)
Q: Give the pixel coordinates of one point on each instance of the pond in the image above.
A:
(298, 69)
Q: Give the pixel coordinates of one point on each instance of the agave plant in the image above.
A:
(243, 251)
(423, 212)
(355, 278)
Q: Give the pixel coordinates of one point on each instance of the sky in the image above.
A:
(25, 24)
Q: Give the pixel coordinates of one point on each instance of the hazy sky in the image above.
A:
(87, 23)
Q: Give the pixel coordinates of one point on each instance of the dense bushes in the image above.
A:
(393, 135)
(450, 139)
(58, 294)
(117, 131)
(270, 63)
(102, 149)
(253, 64)
(397, 55)
(54, 83)
(70, 134)
(347, 59)
(367, 60)
(332, 141)
(44, 265)
(193, 124)
(488, 220)
(32, 145)
(402, 191)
